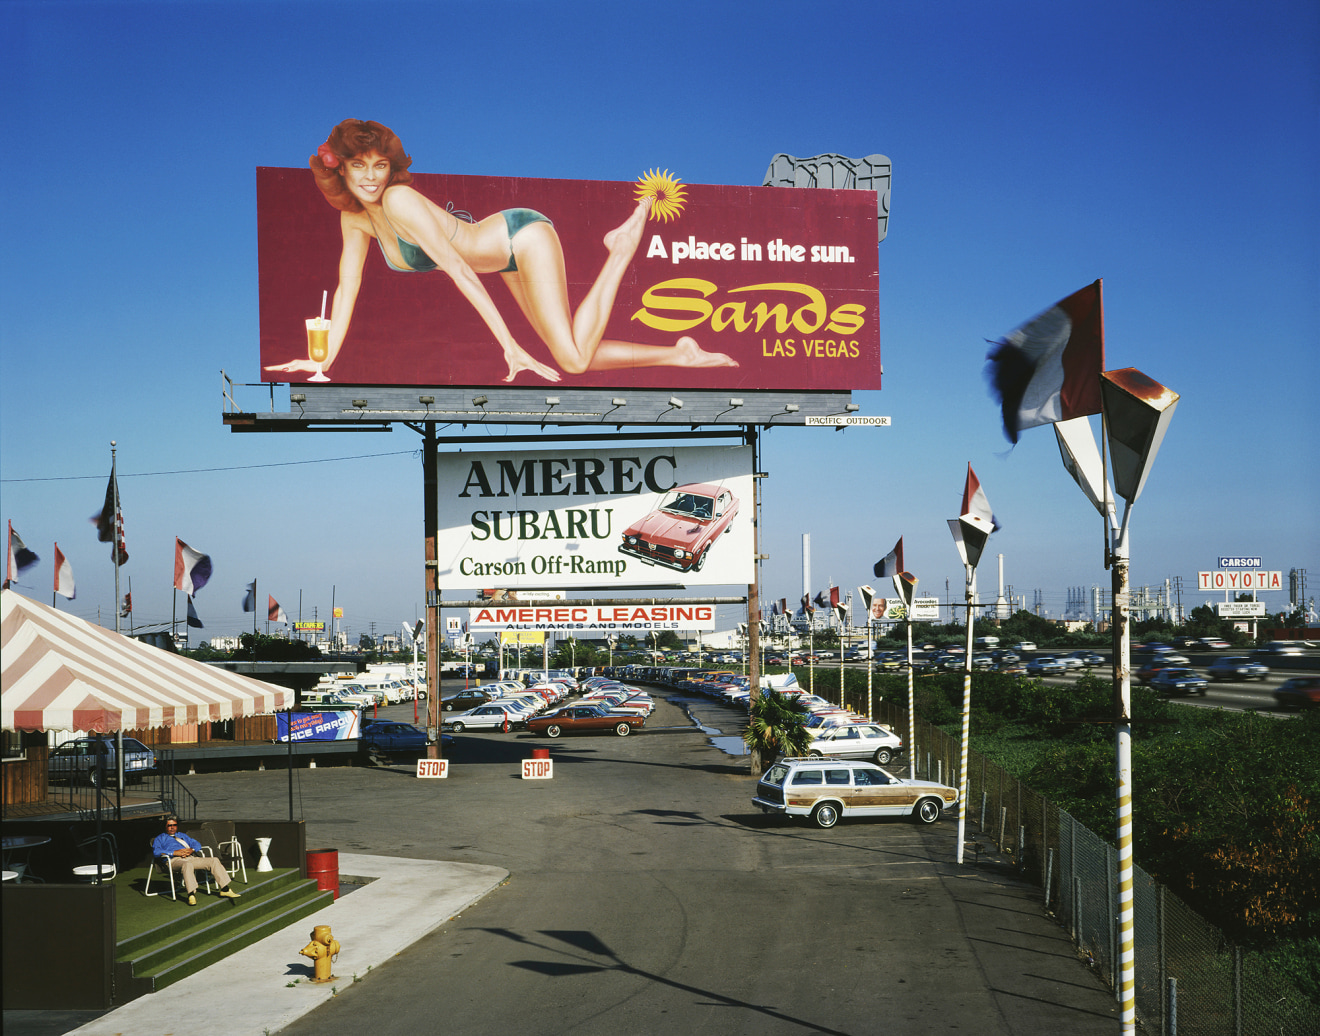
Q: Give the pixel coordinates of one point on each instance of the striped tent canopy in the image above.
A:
(59, 672)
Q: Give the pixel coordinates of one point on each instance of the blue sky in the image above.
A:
(1170, 148)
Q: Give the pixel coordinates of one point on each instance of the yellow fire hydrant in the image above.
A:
(322, 949)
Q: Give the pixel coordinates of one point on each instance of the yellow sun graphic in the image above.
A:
(666, 193)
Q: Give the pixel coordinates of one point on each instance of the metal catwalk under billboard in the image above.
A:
(612, 519)
(650, 284)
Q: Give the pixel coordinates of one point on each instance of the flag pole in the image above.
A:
(114, 533)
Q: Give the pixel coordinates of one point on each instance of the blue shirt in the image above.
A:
(166, 844)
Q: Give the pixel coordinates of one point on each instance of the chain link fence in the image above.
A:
(1190, 980)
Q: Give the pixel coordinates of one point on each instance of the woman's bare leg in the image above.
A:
(543, 298)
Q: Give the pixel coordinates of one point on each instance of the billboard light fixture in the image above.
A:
(551, 400)
(619, 401)
(480, 400)
(852, 408)
(735, 402)
(426, 400)
(675, 402)
(297, 397)
(359, 403)
(791, 408)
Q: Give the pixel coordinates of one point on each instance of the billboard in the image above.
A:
(613, 519)
(1246, 579)
(647, 284)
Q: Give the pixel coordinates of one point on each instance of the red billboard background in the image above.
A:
(783, 281)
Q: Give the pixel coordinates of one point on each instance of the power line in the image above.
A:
(204, 471)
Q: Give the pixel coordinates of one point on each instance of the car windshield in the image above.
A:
(689, 505)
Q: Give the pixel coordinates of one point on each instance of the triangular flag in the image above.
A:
(192, 568)
(275, 613)
(63, 575)
(250, 598)
(20, 558)
(891, 563)
(1048, 369)
(193, 619)
(975, 506)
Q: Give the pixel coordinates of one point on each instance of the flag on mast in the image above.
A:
(250, 598)
(192, 568)
(193, 619)
(1048, 370)
(275, 613)
(63, 575)
(20, 558)
(892, 563)
(110, 521)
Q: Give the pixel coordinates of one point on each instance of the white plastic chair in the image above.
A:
(163, 862)
(106, 871)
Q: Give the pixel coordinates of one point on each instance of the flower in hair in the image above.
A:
(328, 158)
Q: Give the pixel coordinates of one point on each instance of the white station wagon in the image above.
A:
(827, 789)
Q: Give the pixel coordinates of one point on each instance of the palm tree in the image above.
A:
(776, 726)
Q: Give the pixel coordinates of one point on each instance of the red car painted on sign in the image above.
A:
(682, 530)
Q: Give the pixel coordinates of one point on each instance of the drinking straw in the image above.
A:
(323, 295)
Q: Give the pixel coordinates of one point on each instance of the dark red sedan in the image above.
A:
(585, 719)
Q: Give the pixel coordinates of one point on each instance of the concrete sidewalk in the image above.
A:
(253, 991)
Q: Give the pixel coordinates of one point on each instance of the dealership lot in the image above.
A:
(647, 894)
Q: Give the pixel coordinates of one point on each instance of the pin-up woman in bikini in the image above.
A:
(363, 171)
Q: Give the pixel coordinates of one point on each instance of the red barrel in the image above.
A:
(323, 865)
(540, 753)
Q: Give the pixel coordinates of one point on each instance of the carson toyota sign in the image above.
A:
(612, 519)
(1240, 580)
(1239, 562)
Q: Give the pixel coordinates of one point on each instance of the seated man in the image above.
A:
(185, 855)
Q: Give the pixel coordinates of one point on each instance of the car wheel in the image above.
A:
(928, 811)
(882, 756)
(94, 778)
(814, 755)
(623, 729)
(700, 563)
(457, 726)
(825, 815)
(553, 730)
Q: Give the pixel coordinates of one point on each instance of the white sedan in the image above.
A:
(857, 741)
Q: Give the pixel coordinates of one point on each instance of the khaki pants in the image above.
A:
(190, 865)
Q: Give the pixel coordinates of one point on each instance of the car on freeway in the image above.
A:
(1177, 680)
(1005, 655)
(1236, 667)
(1071, 662)
(585, 719)
(93, 759)
(1147, 672)
(1024, 645)
(680, 533)
(1300, 692)
(463, 700)
(491, 716)
(857, 741)
(1045, 665)
(1153, 647)
(1278, 649)
(1210, 643)
(1087, 658)
(827, 789)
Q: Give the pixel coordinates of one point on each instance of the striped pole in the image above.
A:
(966, 718)
(1123, 772)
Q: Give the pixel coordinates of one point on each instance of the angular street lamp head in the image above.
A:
(1081, 458)
(905, 585)
(1137, 414)
(970, 536)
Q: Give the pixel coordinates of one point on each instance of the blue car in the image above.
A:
(1046, 665)
(388, 736)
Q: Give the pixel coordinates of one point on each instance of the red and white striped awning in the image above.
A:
(59, 672)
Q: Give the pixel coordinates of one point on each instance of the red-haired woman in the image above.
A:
(363, 171)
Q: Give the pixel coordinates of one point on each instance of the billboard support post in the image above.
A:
(753, 588)
(431, 521)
